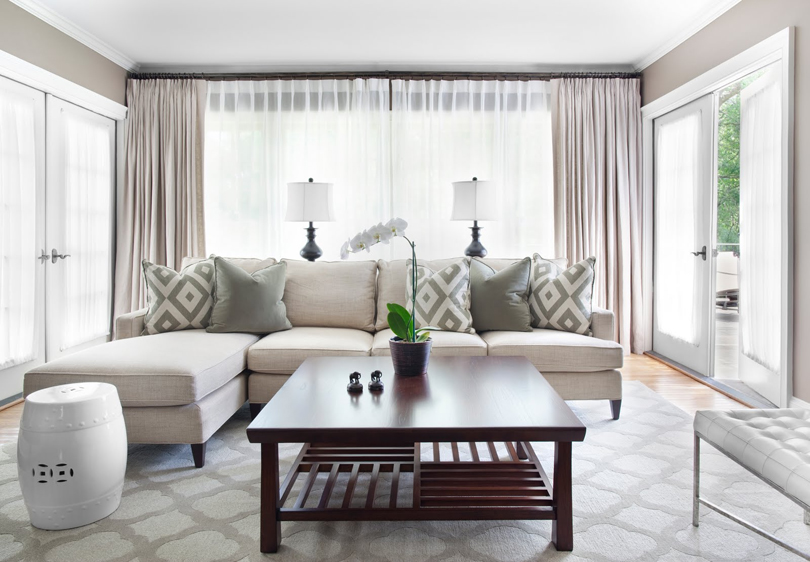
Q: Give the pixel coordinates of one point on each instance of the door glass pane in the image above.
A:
(88, 192)
(760, 219)
(748, 274)
(677, 181)
(17, 228)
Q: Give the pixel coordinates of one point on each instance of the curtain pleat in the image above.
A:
(596, 126)
(160, 208)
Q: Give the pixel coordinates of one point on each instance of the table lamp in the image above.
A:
(310, 202)
(474, 200)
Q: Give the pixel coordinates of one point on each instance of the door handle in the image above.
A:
(43, 257)
(701, 253)
(55, 256)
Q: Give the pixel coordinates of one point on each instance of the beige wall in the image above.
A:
(748, 23)
(31, 39)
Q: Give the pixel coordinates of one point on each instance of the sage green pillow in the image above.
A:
(248, 302)
(499, 299)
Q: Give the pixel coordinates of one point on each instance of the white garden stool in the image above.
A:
(72, 454)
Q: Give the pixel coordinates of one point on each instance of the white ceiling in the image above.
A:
(518, 35)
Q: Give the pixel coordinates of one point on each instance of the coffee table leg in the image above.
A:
(270, 525)
(562, 528)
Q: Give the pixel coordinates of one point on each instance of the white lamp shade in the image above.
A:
(310, 202)
(474, 200)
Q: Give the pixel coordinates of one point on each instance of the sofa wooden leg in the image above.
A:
(198, 452)
(615, 408)
(255, 409)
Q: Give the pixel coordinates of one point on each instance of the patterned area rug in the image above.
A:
(632, 501)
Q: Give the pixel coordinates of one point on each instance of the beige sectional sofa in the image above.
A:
(180, 387)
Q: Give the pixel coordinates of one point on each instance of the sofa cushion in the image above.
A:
(498, 298)
(555, 351)
(248, 302)
(561, 299)
(331, 294)
(392, 284)
(444, 343)
(178, 301)
(283, 352)
(168, 369)
(251, 265)
(442, 297)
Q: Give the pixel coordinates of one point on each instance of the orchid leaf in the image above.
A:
(424, 336)
(401, 311)
(398, 325)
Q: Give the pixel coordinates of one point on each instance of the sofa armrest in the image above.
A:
(603, 324)
(130, 325)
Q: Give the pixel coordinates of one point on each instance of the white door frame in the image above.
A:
(778, 47)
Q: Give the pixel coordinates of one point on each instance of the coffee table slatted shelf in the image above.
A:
(509, 488)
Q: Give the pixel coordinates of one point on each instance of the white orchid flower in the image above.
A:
(380, 233)
(397, 226)
(361, 241)
(344, 250)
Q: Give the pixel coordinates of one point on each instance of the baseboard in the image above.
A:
(799, 403)
(11, 401)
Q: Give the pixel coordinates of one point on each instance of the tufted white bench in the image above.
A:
(772, 444)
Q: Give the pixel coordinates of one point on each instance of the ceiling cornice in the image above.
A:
(69, 28)
(699, 23)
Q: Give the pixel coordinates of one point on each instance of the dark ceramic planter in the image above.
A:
(410, 359)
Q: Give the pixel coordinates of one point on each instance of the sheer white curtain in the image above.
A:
(760, 219)
(677, 179)
(446, 131)
(88, 188)
(18, 221)
(260, 135)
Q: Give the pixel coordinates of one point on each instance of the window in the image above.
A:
(387, 156)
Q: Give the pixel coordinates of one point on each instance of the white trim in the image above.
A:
(798, 403)
(778, 47)
(31, 75)
(715, 11)
(72, 30)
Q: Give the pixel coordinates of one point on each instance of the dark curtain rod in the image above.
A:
(521, 76)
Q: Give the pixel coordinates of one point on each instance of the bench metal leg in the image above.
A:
(697, 500)
(696, 484)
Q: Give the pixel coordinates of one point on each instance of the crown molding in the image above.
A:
(708, 16)
(70, 29)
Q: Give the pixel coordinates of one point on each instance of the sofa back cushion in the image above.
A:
(331, 294)
(250, 265)
(392, 284)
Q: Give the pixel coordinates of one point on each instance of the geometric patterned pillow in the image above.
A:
(559, 298)
(442, 297)
(178, 301)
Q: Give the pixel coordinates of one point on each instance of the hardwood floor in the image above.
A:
(676, 387)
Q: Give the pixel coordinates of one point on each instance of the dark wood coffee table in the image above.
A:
(469, 402)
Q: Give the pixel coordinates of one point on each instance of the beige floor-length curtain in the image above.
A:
(596, 126)
(160, 211)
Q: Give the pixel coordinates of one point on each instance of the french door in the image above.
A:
(56, 211)
(79, 215)
(683, 185)
(22, 233)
